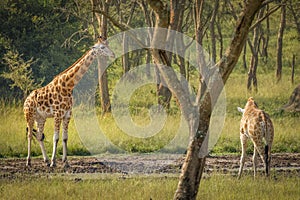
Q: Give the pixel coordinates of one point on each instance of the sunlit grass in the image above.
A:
(270, 97)
(154, 187)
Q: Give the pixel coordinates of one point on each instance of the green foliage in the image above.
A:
(20, 72)
(37, 30)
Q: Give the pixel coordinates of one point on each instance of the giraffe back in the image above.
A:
(256, 123)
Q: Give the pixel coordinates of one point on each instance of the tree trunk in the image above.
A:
(193, 166)
(294, 102)
(176, 20)
(244, 57)
(162, 21)
(266, 39)
(199, 36)
(293, 68)
(254, 46)
(252, 67)
(102, 75)
(279, 43)
(220, 37)
(295, 15)
(125, 57)
(212, 32)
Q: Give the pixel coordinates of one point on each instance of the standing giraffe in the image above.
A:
(55, 100)
(256, 125)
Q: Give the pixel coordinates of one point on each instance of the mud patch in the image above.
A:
(143, 164)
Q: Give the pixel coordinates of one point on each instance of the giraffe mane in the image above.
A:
(75, 63)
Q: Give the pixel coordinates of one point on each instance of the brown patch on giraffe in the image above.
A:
(83, 71)
(77, 78)
(47, 103)
(76, 69)
(71, 84)
(63, 106)
(64, 91)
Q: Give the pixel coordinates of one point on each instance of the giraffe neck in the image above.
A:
(72, 75)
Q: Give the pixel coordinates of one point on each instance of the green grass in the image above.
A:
(113, 187)
(270, 97)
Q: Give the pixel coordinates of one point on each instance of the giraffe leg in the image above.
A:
(29, 138)
(269, 158)
(65, 125)
(243, 138)
(255, 161)
(29, 129)
(55, 140)
(261, 150)
(40, 137)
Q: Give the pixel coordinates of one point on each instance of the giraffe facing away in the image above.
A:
(256, 125)
(55, 101)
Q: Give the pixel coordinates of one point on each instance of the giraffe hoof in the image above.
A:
(66, 165)
(53, 164)
(28, 163)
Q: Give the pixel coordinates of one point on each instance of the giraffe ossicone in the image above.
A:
(257, 125)
(55, 101)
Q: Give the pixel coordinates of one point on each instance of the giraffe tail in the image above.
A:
(267, 159)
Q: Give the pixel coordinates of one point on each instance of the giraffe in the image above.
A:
(55, 101)
(256, 125)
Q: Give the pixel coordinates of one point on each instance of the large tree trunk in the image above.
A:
(279, 43)
(193, 166)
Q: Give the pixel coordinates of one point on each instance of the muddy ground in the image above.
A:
(144, 164)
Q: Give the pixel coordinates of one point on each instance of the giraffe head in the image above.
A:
(251, 104)
(101, 48)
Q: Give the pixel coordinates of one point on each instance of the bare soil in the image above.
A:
(143, 164)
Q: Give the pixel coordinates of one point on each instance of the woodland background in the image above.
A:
(40, 38)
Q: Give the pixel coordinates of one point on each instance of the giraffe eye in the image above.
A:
(102, 47)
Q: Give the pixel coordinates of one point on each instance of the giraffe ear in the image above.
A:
(241, 109)
(102, 40)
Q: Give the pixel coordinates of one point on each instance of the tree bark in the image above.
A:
(193, 166)
(254, 46)
(294, 102)
(102, 75)
(159, 39)
(293, 68)
(279, 43)
(212, 31)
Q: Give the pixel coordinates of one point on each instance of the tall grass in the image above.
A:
(270, 97)
(112, 187)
